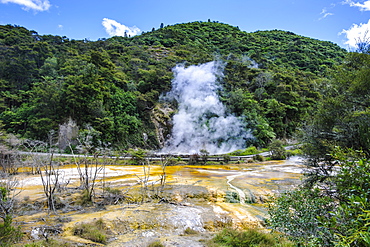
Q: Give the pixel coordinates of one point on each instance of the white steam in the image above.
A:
(202, 121)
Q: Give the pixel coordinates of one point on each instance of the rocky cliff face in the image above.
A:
(161, 118)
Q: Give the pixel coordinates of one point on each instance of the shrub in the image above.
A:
(156, 243)
(190, 231)
(336, 214)
(250, 237)
(232, 197)
(137, 156)
(113, 192)
(92, 231)
(296, 214)
(277, 150)
(294, 152)
(194, 159)
(258, 157)
(248, 151)
(85, 199)
(226, 158)
(8, 233)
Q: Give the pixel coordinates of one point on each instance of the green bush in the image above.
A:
(336, 214)
(9, 234)
(113, 191)
(277, 150)
(232, 197)
(226, 158)
(294, 152)
(295, 213)
(156, 243)
(190, 231)
(250, 237)
(258, 157)
(92, 231)
(84, 199)
(248, 151)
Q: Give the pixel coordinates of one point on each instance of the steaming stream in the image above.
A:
(239, 191)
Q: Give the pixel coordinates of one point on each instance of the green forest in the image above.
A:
(272, 80)
(282, 85)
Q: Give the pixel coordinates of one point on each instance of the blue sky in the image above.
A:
(341, 22)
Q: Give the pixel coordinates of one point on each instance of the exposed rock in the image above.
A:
(67, 133)
(161, 118)
(44, 232)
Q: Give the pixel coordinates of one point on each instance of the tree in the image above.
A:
(138, 157)
(45, 166)
(50, 177)
(295, 213)
(329, 212)
(9, 155)
(9, 234)
(125, 121)
(88, 170)
(277, 150)
(9, 161)
(8, 195)
(336, 185)
(83, 93)
(342, 116)
(46, 79)
(363, 43)
(46, 108)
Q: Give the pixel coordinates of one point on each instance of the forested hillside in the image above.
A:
(112, 86)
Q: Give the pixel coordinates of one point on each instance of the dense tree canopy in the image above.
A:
(271, 79)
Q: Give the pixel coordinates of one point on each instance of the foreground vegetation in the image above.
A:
(248, 238)
(332, 206)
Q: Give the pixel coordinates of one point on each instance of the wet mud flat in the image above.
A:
(195, 202)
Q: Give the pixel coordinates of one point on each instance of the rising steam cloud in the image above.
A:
(202, 121)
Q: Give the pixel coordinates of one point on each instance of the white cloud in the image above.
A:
(60, 27)
(325, 14)
(363, 6)
(356, 33)
(113, 28)
(38, 5)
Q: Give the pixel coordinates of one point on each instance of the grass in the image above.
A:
(248, 238)
(49, 243)
(294, 152)
(92, 231)
(189, 231)
(248, 151)
(156, 243)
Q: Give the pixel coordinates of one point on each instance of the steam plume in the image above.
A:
(202, 121)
